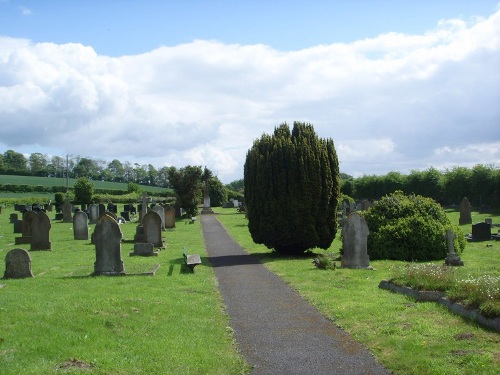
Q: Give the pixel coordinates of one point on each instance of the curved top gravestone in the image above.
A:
(17, 264)
(107, 238)
(40, 232)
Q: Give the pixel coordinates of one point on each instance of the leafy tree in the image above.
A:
(83, 189)
(116, 170)
(14, 162)
(217, 192)
(152, 175)
(38, 164)
(292, 189)
(237, 185)
(483, 184)
(187, 184)
(409, 228)
(163, 177)
(86, 168)
(456, 184)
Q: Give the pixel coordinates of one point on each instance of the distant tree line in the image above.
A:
(480, 184)
(41, 165)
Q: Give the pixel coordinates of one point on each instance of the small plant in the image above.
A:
(481, 292)
(424, 276)
(324, 262)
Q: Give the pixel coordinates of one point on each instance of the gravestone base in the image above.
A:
(144, 249)
(453, 260)
(22, 240)
(206, 210)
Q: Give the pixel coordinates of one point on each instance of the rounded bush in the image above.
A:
(409, 228)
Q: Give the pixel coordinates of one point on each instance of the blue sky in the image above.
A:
(398, 85)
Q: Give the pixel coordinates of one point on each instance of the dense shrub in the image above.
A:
(409, 228)
(217, 192)
(83, 189)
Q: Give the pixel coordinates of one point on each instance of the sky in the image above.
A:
(398, 85)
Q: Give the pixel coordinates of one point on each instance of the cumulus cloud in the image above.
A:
(394, 102)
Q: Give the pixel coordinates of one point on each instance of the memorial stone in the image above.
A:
(152, 229)
(465, 212)
(67, 210)
(17, 264)
(80, 226)
(107, 237)
(354, 242)
(169, 217)
(40, 233)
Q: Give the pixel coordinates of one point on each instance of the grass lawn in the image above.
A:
(407, 337)
(62, 320)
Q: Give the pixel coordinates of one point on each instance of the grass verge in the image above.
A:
(407, 337)
(64, 320)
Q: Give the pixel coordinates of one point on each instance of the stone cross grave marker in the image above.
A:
(354, 242)
(465, 212)
(144, 206)
(17, 264)
(80, 226)
(107, 237)
(452, 259)
(152, 229)
(40, 232)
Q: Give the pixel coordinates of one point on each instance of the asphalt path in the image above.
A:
(276, 330)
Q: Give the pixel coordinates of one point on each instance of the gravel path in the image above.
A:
(277, 331)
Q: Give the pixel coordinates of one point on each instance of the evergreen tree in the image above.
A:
(292, 189)
(84, 189)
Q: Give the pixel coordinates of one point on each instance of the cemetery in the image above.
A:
(115, 308)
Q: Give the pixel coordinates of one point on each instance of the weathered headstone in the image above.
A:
(17, 264)
(13, 217)
(26, 228)
(169, 217)
(40, 232)
(102, 209)
(452, 259)
(354, 242)
(465, 212)
(144, 249)
(107, 238)
(152, 229)
(67, 210)
(481, 232)
(125, 215)
(94, 213)
(80, 226)
(18, 226)
(160, 211)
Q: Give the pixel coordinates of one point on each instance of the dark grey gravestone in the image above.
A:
(26, 228)
(144, 249)
(94, 213)
(465, 212)
(161, 212)
(67, 210)
(169, 217)
(102, 209)
(13, 217)
(481, 232)
(18, 226)
(17, 264)
(107, 237)
(151, 223)
(354, 242)
(40, 233)
(80, 226)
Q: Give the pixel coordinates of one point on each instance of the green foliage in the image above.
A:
(83, 190)
(217, 192)
(292, 189)
(132, 187)
(187, 184)
(59, 198)
(237, 185)
(410, 228)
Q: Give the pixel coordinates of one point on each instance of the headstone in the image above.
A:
(67, 210)
(144, 249)
(169, 217)
(17, 264)
(452, 259)
(94, 213)
(489, 221)
(125, 215)
(143, 206)
(18, 226)
(59, 216)
(152, 229)
(481, 232)
(13, 217)
(465, 212)
(107, 238)
(102, 209)
(80, 226)
(354, 242)
(26, 228)
(40, 233)
(160, 211)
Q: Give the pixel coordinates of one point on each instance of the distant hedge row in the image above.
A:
(12, 188)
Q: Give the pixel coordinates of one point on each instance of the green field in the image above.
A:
(56, 181)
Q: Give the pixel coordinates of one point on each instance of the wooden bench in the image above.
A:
(191, 260)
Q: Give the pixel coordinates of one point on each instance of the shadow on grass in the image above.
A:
(255, 258)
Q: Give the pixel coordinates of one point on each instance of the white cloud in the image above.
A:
(392, 102)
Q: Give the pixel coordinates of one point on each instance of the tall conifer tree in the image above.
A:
(292, 189)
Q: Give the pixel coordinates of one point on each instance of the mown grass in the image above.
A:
(407, 337)
(63, 320)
